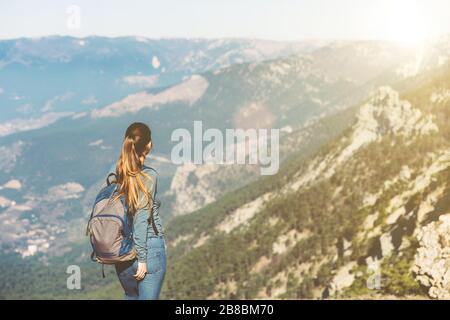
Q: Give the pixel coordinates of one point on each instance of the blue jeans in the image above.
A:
(149, 287)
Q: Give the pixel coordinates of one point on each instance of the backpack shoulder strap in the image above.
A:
(152, 219)
(108, 183)
(151, 213)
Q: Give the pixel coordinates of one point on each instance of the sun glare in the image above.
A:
(406, 23)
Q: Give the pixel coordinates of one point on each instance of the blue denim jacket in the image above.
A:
(142, 229)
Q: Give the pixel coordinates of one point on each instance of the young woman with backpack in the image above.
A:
(142, 278)
(129, 233)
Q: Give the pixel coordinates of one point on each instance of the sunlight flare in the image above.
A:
(407, 23)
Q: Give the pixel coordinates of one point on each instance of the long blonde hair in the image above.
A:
(129, 168)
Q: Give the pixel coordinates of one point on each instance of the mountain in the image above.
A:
(363, 217)
(301, 90)
(69, 155)
(55, 137)
(356, 131)
(63, 74)
(283, 93)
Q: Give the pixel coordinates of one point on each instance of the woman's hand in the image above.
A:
(141, 271)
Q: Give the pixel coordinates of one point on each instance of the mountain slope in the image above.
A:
(313, 230)
(283, 93)
(52, 280)
(327, 226)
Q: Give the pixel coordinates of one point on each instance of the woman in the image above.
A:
(141, 278)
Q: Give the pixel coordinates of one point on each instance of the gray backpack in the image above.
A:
(110, 227)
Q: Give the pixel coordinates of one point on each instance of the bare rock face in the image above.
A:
(344, 278)
(194, 186)
(191, 187)
(386, 113)
(432, 260)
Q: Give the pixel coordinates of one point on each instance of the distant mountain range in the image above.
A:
(361, 122)
(77, 74)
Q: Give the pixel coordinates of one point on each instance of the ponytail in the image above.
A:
(129, 168)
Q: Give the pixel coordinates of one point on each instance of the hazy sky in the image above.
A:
(266, 19)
